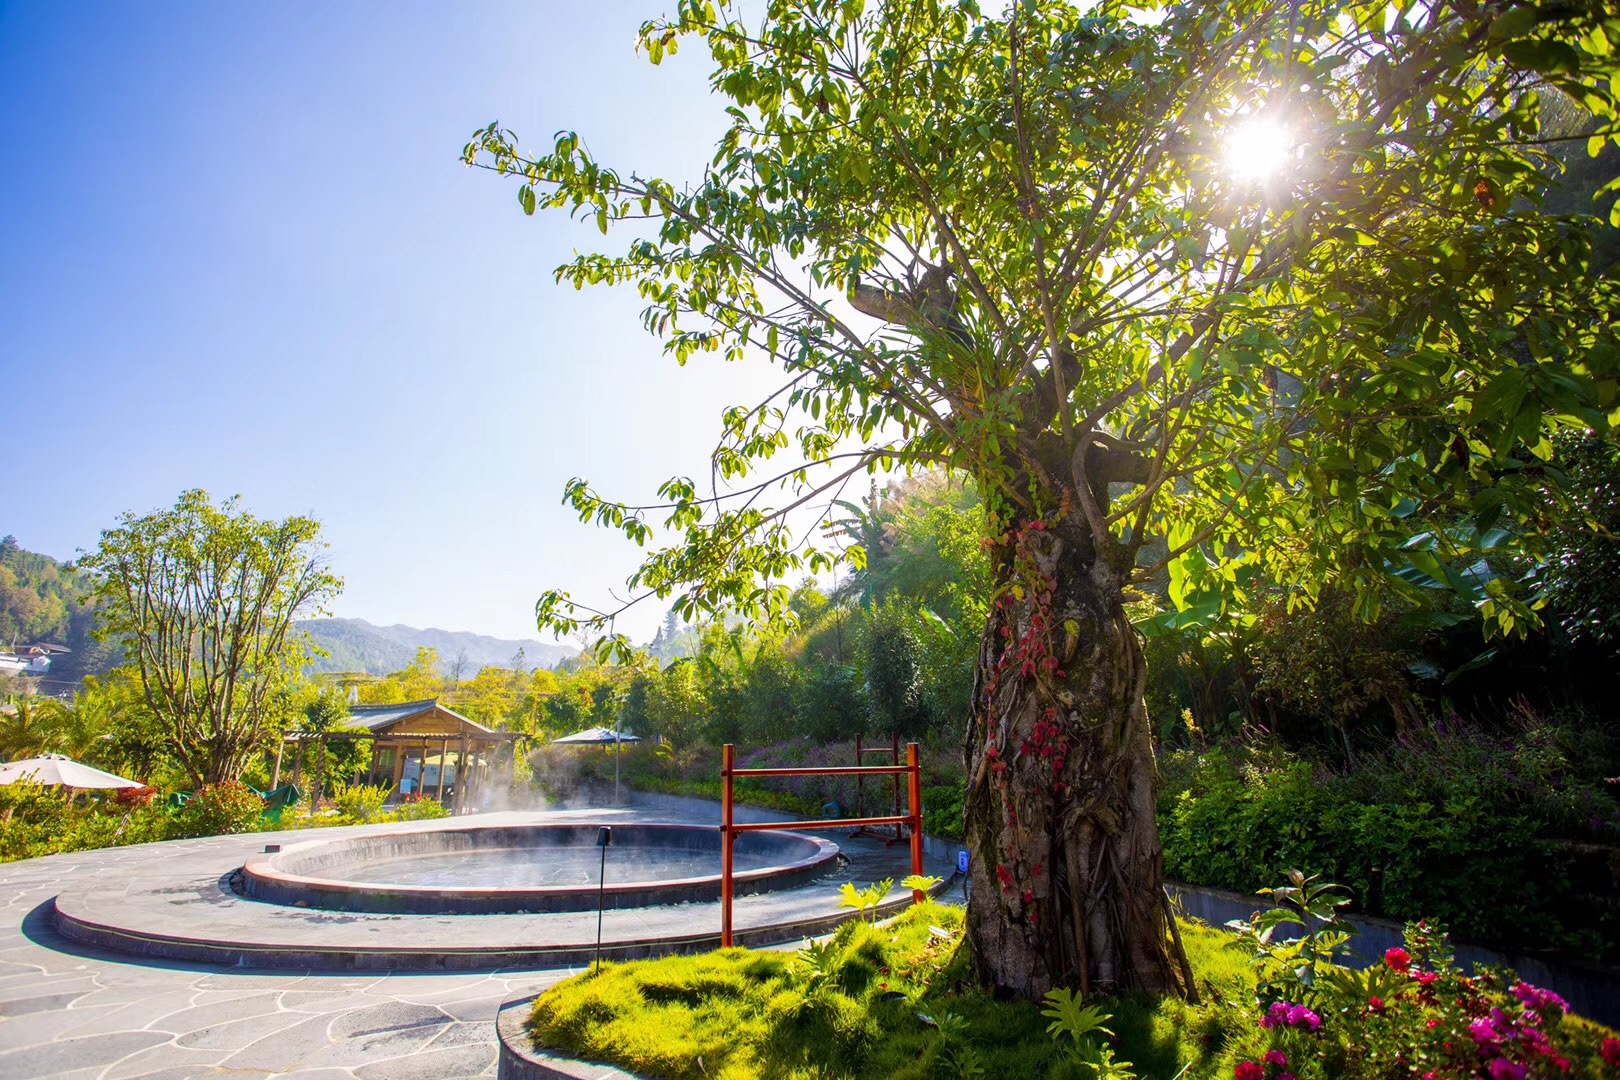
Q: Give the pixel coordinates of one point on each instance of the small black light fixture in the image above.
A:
(604, 840)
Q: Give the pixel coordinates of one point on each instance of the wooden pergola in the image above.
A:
(414, 732)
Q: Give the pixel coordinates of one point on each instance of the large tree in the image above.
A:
(203, 597)
(1260, 287)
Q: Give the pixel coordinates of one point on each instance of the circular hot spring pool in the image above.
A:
(519, 868)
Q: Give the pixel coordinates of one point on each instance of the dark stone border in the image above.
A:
(297, 874)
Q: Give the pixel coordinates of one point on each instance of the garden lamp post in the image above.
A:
(604, 840)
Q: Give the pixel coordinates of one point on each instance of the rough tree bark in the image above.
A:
(1067, 870)
(1067, 873)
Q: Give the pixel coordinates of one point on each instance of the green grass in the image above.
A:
(738, 1015)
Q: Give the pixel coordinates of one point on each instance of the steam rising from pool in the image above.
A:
(482, 869)
(550, 866)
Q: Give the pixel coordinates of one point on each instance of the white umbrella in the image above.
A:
(58, 770)
(600, 736)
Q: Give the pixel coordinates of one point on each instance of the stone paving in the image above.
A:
(67, 1011)
(71, 1010)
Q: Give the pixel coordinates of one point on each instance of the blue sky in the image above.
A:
(238, 252)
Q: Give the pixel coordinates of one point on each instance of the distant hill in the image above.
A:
(356, 645)
(43, 600)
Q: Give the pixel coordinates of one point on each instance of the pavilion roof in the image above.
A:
(379, 718)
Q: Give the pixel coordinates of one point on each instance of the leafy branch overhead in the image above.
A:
(1016, 245)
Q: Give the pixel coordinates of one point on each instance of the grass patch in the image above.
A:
(856, 1009)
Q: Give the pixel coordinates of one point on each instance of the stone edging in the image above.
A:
(520, 1059)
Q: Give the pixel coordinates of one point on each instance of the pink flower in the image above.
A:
(1300, 1016)
(1248, 1070)
(1398, 958)
(1611, 1052)
(1276, 1016)
(1538, 999)
(1286, 1076)
(1484, 1033)
(1503, 1069)
(1376, 1004)
(1424, 978)
(1277, 1058)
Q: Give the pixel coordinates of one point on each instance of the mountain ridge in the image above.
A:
(359, 645)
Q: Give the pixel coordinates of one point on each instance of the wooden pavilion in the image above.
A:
(406, 738)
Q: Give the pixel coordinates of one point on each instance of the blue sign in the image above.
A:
(962, 861)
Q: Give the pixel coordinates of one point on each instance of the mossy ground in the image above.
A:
(739, 1015)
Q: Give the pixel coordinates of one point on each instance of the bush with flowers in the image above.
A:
(1415, 1015)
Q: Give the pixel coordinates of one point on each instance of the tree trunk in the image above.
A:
(1067, 871)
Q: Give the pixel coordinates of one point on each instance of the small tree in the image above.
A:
(203, 599)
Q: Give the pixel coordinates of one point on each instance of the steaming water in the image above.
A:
(532, 867)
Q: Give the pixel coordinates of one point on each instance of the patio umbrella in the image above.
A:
(58, 770)
(600, 736)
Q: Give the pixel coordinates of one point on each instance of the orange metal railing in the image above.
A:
(729, 828)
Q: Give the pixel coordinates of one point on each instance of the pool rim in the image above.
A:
(263, 881)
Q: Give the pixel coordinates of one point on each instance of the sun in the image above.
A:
(1258, 148)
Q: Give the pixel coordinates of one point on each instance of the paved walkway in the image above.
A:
(70, 1010)
(66, 1011)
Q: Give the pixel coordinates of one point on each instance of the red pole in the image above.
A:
(728, 758)
(914, 780)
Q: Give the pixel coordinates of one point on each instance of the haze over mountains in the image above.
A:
(356, 645)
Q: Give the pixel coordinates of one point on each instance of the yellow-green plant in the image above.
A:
(359, 801)
(866, 900)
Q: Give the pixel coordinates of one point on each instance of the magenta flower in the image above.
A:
(1398, 959)
(1248, 1070)
(1538, 999)
(1484, 1033)
(1611, 1052)
(1276, 1016)
(1277, 1058)
(1300, 1016)
(1503, 1069)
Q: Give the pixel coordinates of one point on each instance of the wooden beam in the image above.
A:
(444, 763)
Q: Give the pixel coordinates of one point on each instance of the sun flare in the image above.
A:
(1258, 148)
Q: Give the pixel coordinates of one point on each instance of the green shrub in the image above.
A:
(419, 810)
(1412, 833)
(358, 802)
(942, 810)
(218, 809)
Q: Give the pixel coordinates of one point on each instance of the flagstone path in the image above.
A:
(73, 1010)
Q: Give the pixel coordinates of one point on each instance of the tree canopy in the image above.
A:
(1315, 372)
(202, 597)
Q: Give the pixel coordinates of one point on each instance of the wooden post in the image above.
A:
(320, 769)
(894, 737)
(728, 758)
(275, 777)
(463, 777)
(859, 779)
(914, 781)
(444, 764)
(298, 764)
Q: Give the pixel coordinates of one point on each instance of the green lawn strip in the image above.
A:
(738, 1014)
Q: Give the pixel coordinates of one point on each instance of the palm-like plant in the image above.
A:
(25, 731)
